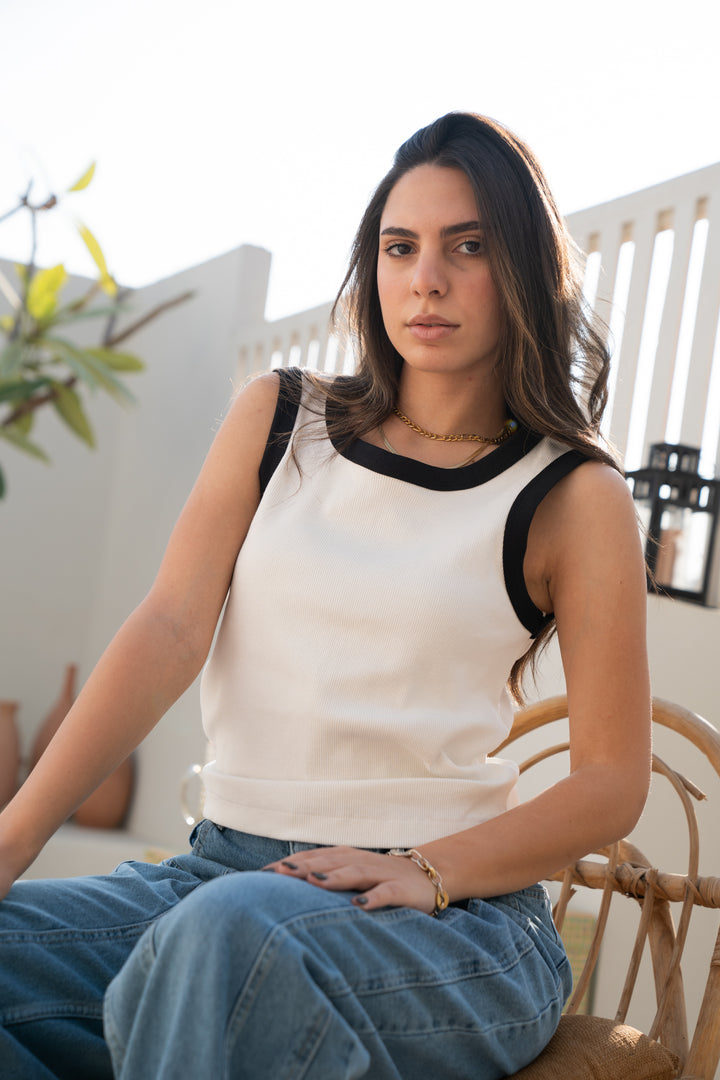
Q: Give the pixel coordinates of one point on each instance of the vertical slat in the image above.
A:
(643, 235)
(609, 247)
(705, 1049)
(586, 242)
(322, 348)
(703, 345)
(659, 403)
(308, 334)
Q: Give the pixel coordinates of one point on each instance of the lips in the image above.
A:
(430, 328)
(429, 320)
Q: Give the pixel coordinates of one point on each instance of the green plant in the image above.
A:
(40, 365)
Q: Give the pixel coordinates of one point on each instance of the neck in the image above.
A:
(451, 403)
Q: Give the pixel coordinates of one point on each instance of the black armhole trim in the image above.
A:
(517, 528)
(283, 422)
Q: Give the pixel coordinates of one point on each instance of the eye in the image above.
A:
(398, 249)
(472, 247)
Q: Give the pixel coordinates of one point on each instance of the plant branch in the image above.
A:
(115, 339)
(9, 213)
(33, 248)
(24, 204)
(30, 404)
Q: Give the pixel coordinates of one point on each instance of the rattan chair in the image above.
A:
(609, 1049)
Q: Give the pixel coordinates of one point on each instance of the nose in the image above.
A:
(429, 278)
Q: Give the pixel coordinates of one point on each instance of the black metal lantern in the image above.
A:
(679, 510)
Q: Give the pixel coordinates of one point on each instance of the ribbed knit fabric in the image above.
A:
(357, 685)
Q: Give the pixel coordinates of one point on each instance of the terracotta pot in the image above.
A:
(57, 714)
(107, 807)
(9, 751)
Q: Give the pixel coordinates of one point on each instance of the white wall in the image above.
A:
(80, 540)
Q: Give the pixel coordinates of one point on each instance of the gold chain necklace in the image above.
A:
(466, 461)
(508, 428)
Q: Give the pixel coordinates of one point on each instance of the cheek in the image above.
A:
(382, 283)
(387, 294)
(490, 303)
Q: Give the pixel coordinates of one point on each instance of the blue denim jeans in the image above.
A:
(190, 969)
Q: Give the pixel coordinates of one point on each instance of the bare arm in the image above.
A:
(585, 555)
(584, 563)
(161, 647)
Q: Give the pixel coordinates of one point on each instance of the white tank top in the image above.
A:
(357, 687)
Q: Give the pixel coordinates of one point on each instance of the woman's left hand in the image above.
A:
(378, 880)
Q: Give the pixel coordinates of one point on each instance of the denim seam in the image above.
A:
(473, 970)
(59, 937)
(482, 1032)
(454, 979)
(28, 1014)
(111, 1035)
(304, 1056)
(286, 929)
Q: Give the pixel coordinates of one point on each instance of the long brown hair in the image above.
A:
(553, 363)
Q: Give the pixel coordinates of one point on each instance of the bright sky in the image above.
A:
(221, 122)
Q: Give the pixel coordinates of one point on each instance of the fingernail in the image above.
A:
(318, 875)
(362, 900)
(290, 865)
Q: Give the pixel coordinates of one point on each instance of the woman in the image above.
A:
(417, 538)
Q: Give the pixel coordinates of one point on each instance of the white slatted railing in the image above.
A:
(652, 275)
(300, 340)
(658, 287)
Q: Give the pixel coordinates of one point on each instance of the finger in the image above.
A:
(394, 893)
(314, 858)
(343, 878)
(332, 872)
(329, 860)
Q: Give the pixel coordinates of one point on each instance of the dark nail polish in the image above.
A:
(320, 876)
(362, 900)
(290, 865)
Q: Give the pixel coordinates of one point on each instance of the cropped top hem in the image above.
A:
(329, 812)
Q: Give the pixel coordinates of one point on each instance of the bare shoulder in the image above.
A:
(231, 467)
(586, 522)
(257, 398)
(594, 495)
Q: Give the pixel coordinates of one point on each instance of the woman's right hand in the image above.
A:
(13, 860)
(7, 880)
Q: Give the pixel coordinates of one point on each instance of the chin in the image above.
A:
(443, 365)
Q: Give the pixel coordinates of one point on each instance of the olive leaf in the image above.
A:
(84, 180)
(107, 283)
(69, 407)
(15, 435)
(38, 365)
(118, 361)
(42, 294)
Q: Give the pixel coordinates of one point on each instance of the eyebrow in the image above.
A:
(447, 230)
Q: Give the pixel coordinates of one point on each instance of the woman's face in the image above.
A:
(439, 303)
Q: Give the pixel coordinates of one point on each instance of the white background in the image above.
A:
(222, 122)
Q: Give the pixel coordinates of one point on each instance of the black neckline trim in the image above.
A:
(434, 477)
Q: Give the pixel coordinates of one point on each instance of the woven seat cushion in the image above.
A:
(591, 1048)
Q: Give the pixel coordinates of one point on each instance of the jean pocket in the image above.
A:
(197, 836)
(532, 901)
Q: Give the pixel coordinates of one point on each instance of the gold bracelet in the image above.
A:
(441, 897)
